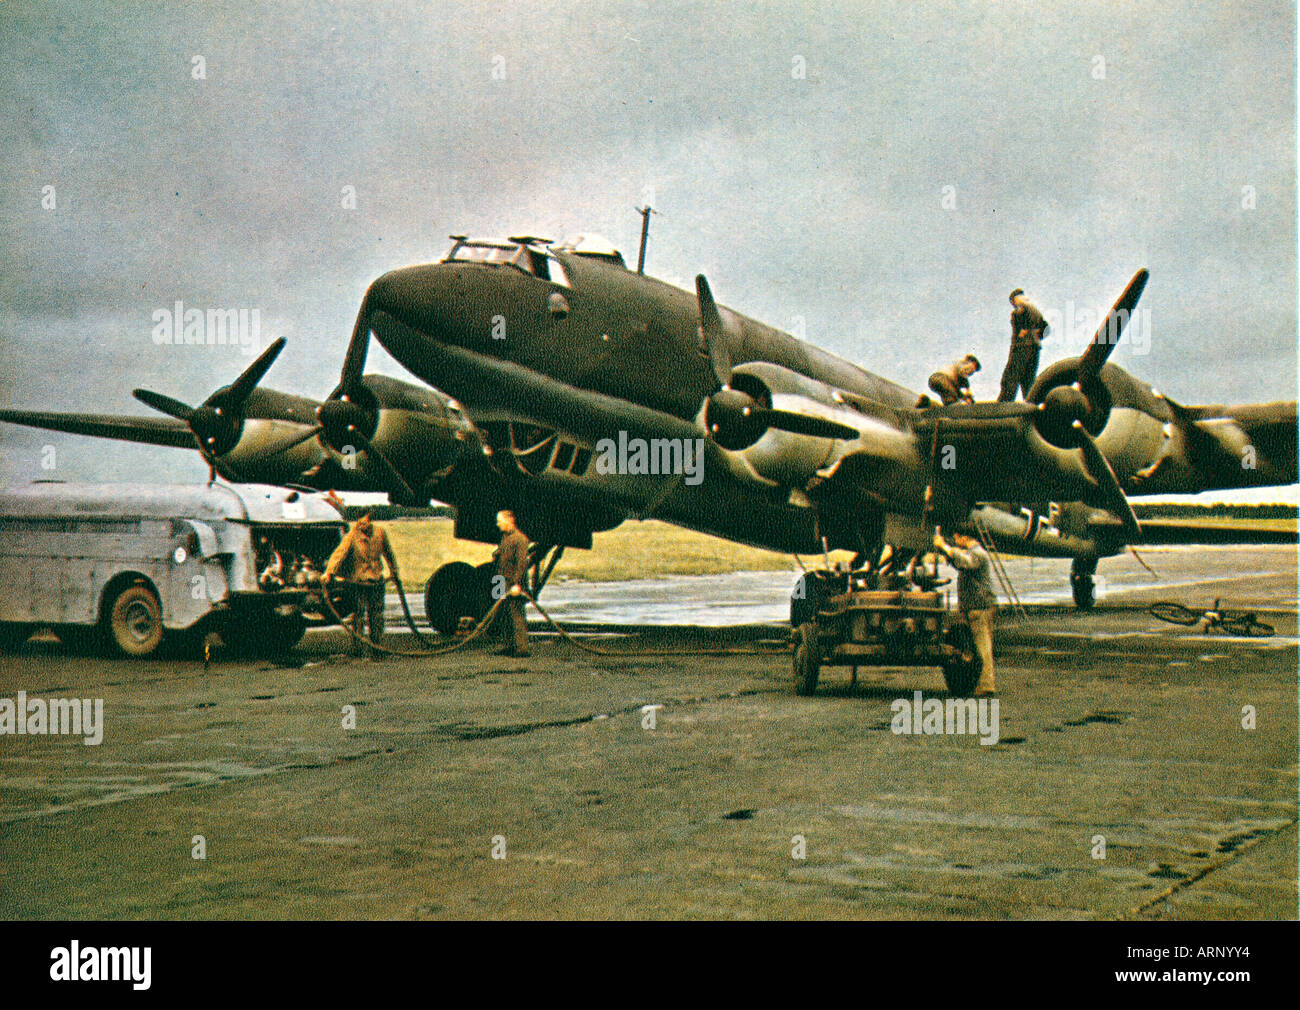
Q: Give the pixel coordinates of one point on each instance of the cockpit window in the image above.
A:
(528, 258)
(482, 252)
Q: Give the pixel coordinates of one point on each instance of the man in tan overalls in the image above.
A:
(360, 558)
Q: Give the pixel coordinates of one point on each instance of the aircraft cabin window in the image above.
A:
(581, 460)
(563, 456)
(557, 272)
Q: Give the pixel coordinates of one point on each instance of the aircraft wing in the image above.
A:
(1166, 532)
(1144, 444)
(122, 427)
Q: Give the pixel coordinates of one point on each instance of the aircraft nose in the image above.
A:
(413, 296)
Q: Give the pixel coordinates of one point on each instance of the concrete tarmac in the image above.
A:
(1123, 783)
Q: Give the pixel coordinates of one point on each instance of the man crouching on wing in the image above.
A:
(975, 598)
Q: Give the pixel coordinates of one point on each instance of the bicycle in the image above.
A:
(1231, 622)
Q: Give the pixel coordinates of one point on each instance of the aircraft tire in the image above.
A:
(1082, 586)
(134, 621)
(454, 591)
(807, 658)
(962, 672)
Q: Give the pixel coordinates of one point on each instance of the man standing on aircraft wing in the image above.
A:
(360, 557)
(953, 383)
(975, 598)
(512, 567)
(1028, 327)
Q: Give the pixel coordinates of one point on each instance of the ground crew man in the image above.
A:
(512, 568)
(360, 558)
(1028, 327)
(953, 383)
(975, 598)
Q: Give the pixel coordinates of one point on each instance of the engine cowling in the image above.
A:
(1127, 418)
(733, 417)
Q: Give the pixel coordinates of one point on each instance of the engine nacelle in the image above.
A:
(785, 458)
(1128, 419)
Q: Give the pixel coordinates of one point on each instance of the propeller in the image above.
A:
(1070, 413)
(350, 415)
(1086, 399)
(734, 417)
(218, 422)
(1108, 333)
(1103, 473)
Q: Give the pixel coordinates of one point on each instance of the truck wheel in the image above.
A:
(14, 636)
(962, 672)
(807, 658)
(134, 621)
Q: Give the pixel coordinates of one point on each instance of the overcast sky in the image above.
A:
(1081, 141)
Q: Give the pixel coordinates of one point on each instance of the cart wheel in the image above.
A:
(962, 672)
(808, 595)
(807, 658)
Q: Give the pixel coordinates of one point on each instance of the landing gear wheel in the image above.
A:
(1082, 585)
(134, 621)
(962, 672)
(807, 658)
(454, 591)
(449, 595)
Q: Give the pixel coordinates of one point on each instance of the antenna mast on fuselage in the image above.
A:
(645, 213)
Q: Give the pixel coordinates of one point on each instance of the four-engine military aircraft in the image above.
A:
(541, 357)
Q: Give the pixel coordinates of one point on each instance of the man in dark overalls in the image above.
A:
(512, 569)
(1028, 327)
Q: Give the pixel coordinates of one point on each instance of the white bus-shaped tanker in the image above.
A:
(128, 565)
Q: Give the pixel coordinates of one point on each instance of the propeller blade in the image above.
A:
(355, 360)
(715, 340)
(391, 476)
(1100, 470)
(166, 404)
(296, 440)
(1108, 333)
(804, 424)
(240, 390)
